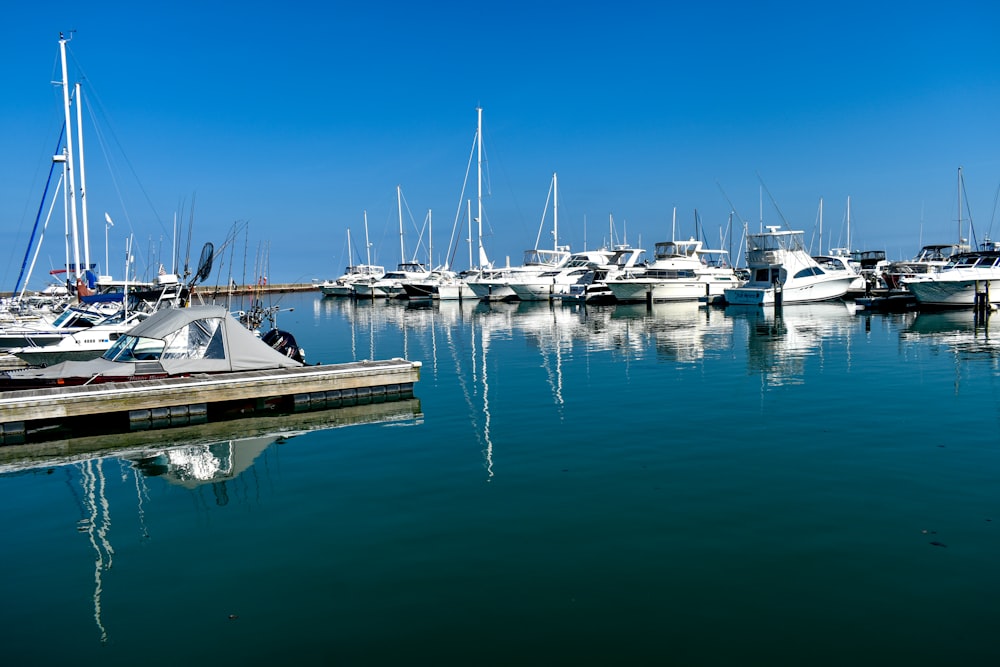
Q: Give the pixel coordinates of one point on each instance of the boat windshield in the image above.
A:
(201, 339)
(135, 348)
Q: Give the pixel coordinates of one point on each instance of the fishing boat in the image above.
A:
(173, 342)
(681, 271)
(782, 271)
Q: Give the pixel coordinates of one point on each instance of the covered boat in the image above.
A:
(173, 342)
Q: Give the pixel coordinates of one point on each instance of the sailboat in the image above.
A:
(495, 284)
(391, 284)
(354, 273)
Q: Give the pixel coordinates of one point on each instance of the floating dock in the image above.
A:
(153, 404)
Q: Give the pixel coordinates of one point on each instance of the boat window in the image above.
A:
(809, 271)
(201, 339)
(134, 348)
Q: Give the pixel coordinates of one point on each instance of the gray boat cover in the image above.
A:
(197, 339)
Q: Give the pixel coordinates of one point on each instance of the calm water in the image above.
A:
(610, 485)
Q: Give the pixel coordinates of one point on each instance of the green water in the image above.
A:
(603, 486)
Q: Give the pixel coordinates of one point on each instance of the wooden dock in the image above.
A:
(149, 404)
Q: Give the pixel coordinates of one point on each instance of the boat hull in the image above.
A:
(940, 293)
(665, 290)
(811, 292)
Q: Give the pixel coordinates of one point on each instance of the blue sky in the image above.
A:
(296, 119)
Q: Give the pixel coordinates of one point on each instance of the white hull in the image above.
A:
(950, 293)
(633, 290)
(492, 290)
(802, 292)
(336, 290)
(367, 291)
(539, 291)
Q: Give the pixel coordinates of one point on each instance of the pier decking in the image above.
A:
(198, 398)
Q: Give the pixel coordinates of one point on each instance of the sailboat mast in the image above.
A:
(555, 210)
(960, 205)
(468, 215)
(83, 179)
(70, 176)
(821, 226)
(483, 260)
(350, 261)
(368, 246)
(848, 224)
(399, 205)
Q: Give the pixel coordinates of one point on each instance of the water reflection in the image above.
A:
(683, 332)
(960, 331)
(780, 342)
(189, 457)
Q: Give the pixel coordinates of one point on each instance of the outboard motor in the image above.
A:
(284, 342)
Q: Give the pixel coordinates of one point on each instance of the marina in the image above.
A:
(766, 442)
(616, 474)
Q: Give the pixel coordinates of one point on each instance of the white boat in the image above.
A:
(494, 284)
(344, 285)
(780, 268)
(930, 259)
(580, 269)
(681, 271)
(958, 284)
(355, 273)
(439, 284)
(840, 261)
(125, 309)
(82, 344)
(390, 286)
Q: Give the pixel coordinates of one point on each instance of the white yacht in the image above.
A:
(780, 265)
(344, 285)
(957, 284)
(440, 284)
(681, 271)
(840, 260)
(930, 259)
(580, 268)
(391, 284)
(494, 284)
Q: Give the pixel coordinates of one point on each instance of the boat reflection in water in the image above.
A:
(684, 331)
(190, 457)
(781, 341)
(960, 331)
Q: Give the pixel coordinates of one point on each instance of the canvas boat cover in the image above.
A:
(197, 339)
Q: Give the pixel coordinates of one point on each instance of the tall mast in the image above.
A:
(468, 215)
(821, 226)
(399, 204)
(350, 260)
(483, 259)
(959, 204)
(368, 246)
(83, 179)
(848, 224)
(555, 210)
(70, 175)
